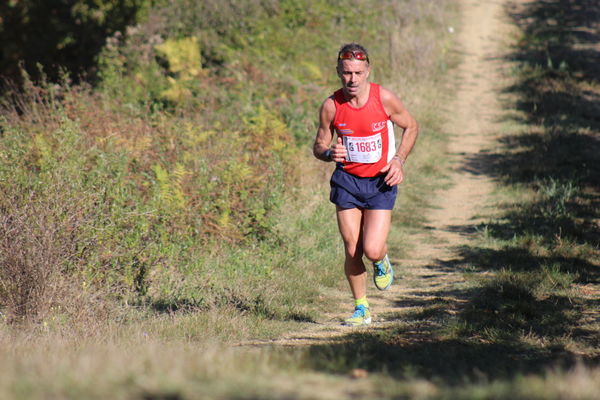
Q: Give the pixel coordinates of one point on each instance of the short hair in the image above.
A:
(353, 47)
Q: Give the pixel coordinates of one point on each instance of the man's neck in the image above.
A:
(360, 99)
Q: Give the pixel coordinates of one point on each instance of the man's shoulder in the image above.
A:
(329, 103)
(386, 93)
(328, 107)
(389, 98)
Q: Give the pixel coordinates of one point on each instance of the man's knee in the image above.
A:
(354, 251)
(374, 252)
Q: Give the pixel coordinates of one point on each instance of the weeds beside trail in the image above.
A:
(175, 208)
(168, 188)
(149, 223)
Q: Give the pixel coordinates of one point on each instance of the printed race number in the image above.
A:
(366, 150)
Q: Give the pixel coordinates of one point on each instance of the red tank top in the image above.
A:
(367, 133)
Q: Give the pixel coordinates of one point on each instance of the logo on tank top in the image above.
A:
(377, 126)
(343, 131)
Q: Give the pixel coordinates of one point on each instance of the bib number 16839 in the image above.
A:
(365, 150)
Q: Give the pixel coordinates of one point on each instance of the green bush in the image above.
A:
(185, 159)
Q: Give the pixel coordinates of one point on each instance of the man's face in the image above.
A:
(354, 74)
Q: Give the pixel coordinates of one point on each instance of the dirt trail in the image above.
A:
(475, 111)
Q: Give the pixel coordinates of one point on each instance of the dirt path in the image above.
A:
(475, 109)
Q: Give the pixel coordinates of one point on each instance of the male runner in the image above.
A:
(363, 185)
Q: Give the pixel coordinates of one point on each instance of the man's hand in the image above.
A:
(395, 172)
(338, 151)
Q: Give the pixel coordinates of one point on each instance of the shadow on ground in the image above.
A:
(558, 156)
(444, 335)
(450, 361)
(441, 335)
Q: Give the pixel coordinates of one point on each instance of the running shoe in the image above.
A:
(383, 273)
(361, 316)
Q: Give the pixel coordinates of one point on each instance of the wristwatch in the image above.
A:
(327, 154)
(397, 157)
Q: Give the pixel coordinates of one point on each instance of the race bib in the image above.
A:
(366, 150)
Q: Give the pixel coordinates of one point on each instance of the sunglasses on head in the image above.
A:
(357, 55)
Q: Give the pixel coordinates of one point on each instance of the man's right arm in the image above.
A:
(322, 148)
(324, 133)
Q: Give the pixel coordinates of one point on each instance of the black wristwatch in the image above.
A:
(327, 154)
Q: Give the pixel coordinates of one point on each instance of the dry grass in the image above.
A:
(137, 296)
(37, 240)
(144, 366)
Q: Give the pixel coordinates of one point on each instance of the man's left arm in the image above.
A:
(401, 117)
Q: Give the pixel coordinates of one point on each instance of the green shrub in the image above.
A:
(186, 156)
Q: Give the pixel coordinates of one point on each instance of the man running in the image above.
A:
(368, 170)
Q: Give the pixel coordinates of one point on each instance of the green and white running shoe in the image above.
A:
(383, 273)
(361, 316)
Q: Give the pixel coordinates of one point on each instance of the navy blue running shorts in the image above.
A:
(349, 191)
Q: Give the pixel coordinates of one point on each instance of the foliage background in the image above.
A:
(167, 205)
(60, 34)
(168, 184)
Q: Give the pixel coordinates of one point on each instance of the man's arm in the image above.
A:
(401, 117)
(325, 135)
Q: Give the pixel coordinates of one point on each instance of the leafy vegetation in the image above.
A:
(60, 34)
(177, 200)
(168, 186)
(175, 206)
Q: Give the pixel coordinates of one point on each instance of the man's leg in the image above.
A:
(376, 226)
(350, 221)
(350, 224)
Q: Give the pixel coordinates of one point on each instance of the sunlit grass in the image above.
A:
(155, 311)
